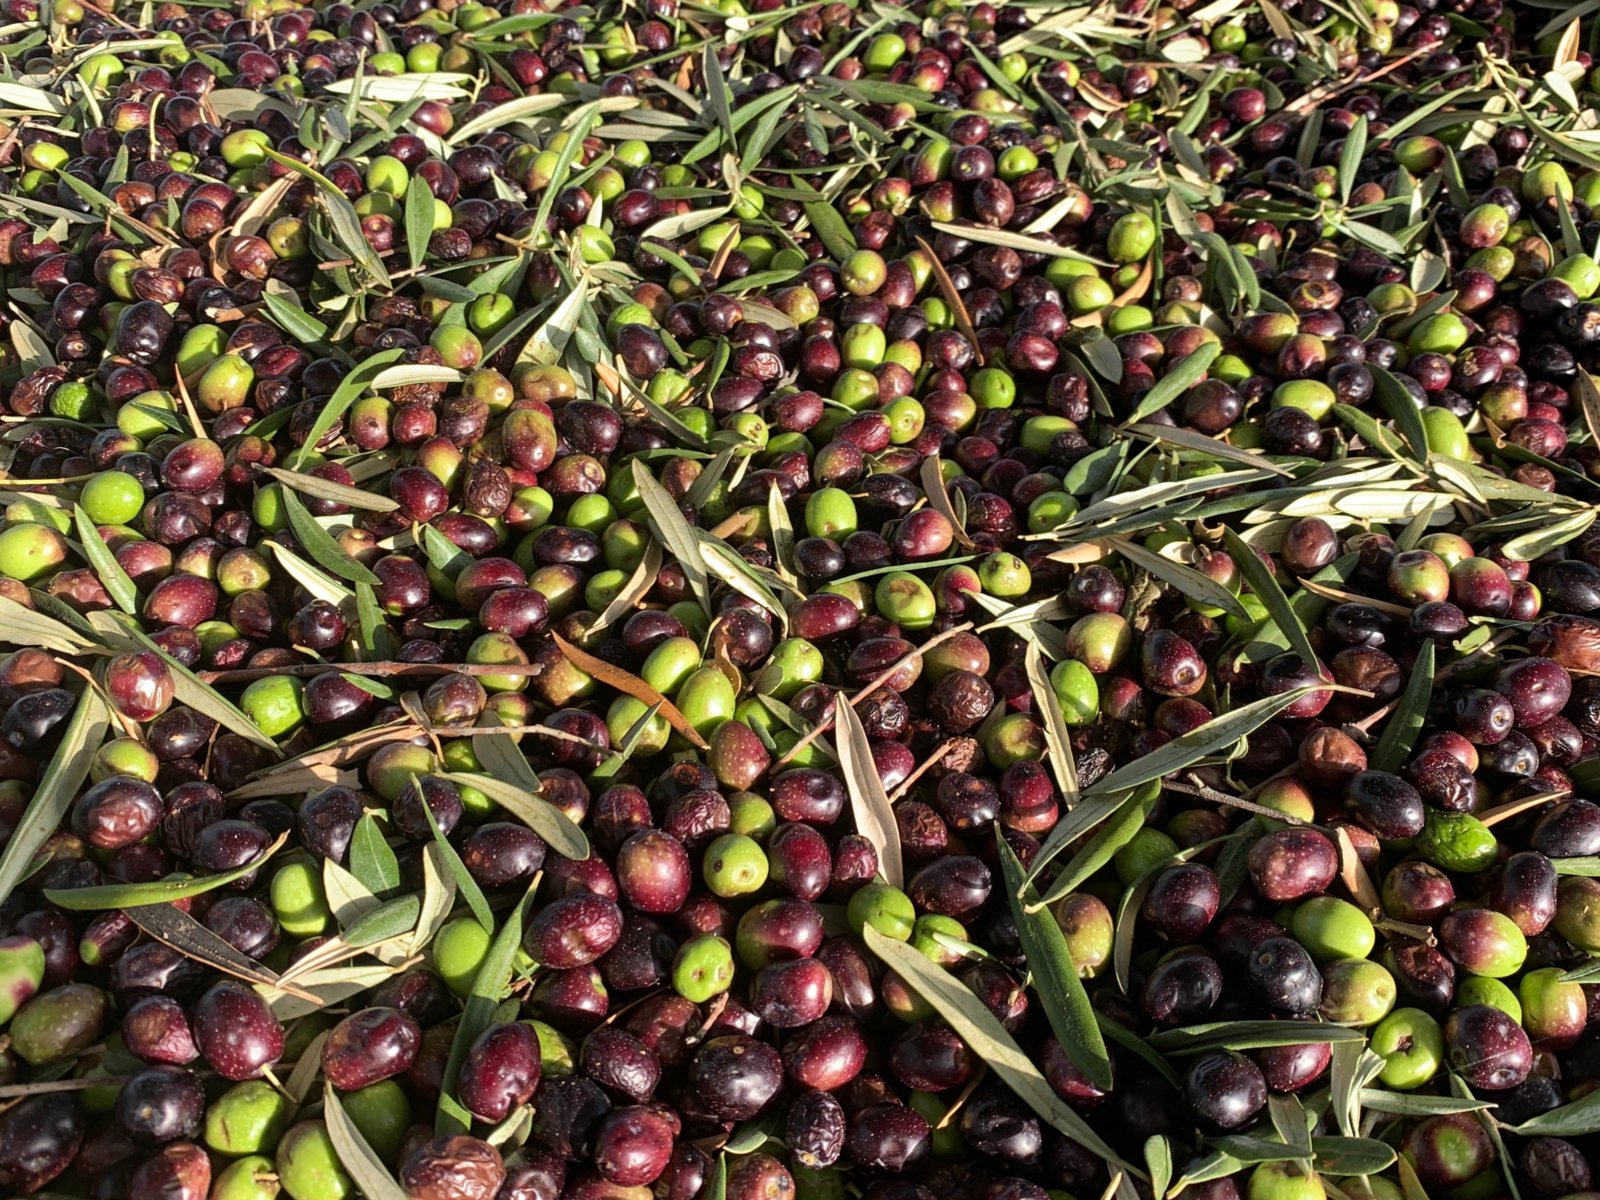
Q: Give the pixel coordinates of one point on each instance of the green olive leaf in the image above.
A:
(346, 394)
(1401, 731)
(990, 1041)
(1262, 582)
(539, 815)
(1185, 579)
(321, 545)
(1577, 1119)
(112, 577)
(162, 891)
(1130, 815)
(675, 532)
(1249, 1035)
(360, 1161)
(1216, 735)
(1055, 975)
(1189, 371)
(58, 788)
(488, 989)
(371, 859)
(869, 804)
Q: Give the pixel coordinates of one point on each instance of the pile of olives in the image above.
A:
(759, 601)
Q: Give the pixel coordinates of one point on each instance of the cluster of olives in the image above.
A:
(535, 538)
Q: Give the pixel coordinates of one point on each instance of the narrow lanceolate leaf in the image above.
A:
(1588, 394)
(1250, 1035)
(1400, 732)
(327, 489)
(1056, 736)
(952, 296)
(674, 530)
(1216, 735)
(1055, 975)
(1402, 410)
(419, 220)
(635, 590)
(1352, 1155)
(189, 689)
(488, 989)
(1185, 579)
(500, 756)
(1111, 837)
(631, 685)
(112, 577)
(465, 884)
(869, 804)
(1093, 811)
(176, 928)
(1176, 381)
(20, 626)
(829, 226)
(68, 768)
(1570, 1120)
(1261, 581)
(360, 1161)
(544, 818)
(162, 891)
(1355, 145)
(981, 1030)
(371, 859)
(321, 545)
(939, 498)
(346, 394)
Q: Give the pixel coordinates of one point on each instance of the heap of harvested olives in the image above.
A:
(742, 600)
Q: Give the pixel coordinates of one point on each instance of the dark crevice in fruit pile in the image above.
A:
(672, 600)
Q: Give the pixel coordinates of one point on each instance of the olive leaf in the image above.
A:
(989, 1041)
(933, 486)
(488, 988)
(1249, 1035)
(869, 804)
(22, 626)
(346, 394)
(188, 688)
(1404, 725)
(360, 1161)
(465, 884)
(57, 789)
(674, 531)
(337, 493)
(1188, 582)
(1577, 1119)
(1216, 735)
(1130, 817)
(419, 220)
(827, 224)
(1058, 740)
(371, 859)
(284, 308)
(1055, 975)
(539, 815)
(1409, 1104)
(631, 685)
(958, 310)
(1402, 410)
(384, 923)
(112, 577)
(1260, 578)
(321, 545)
(171, 925)
(163, 891)
(1175, 382)
(635, 590)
